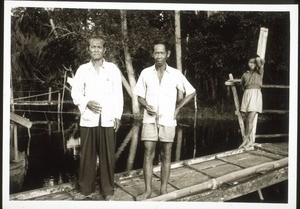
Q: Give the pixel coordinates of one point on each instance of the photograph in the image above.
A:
(149, 105)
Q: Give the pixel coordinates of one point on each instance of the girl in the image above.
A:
(251, 82)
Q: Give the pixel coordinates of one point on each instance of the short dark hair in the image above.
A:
(163, 42)
(96, 37)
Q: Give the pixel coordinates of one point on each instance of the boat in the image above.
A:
(217, 177)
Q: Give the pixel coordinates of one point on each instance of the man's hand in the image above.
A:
(150, 110)
(94, 107)
(176, 113)
(117, 124)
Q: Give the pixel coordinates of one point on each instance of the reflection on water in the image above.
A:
(54, 148)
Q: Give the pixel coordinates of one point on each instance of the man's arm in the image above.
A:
(150, 110)
(183, 102)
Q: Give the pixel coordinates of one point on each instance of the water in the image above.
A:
(53, 154)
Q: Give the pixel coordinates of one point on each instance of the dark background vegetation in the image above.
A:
(214, 44)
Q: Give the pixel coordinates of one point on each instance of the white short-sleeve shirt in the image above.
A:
(162, 96)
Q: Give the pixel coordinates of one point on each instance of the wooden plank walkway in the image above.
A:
(217, 177)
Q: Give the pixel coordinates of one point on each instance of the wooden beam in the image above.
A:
(18, 119)
(229, 192)
(270, 135)
(237, 107)
(215, 183)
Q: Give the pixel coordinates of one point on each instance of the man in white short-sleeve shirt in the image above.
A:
(157, 89)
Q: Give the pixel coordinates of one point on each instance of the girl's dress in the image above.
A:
(251, 82)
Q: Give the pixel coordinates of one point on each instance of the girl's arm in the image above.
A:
(260, 64)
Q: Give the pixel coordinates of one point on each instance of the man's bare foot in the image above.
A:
(143, 196)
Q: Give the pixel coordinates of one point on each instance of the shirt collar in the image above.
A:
(103, 65)
(167, 68)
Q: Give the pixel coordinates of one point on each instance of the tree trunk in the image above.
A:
(178, 45)
(128, 62)
(213, 88)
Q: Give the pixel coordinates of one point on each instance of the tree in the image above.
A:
(128, 62)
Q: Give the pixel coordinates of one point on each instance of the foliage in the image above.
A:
(213, 46)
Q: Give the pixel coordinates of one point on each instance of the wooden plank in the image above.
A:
(237, 81)
(246, 160)
(234, 191)
(221, 170)
(36, 103)
(19, 119)
(237, 107)
(276, 111)
(262, 42)
(266, 154)
(214, 183)
(41, 191)
(271, 135)
(273, 150)
(55, 196)
(207, 164)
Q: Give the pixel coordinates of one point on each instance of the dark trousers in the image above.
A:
(97, 141)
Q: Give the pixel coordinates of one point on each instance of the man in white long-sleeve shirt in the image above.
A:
(97, 91)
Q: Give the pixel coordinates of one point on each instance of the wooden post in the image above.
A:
(50, 95)
(195, 132)
(237, 106)
(133, 146)
(63, 93)
(16, 144)
(262, 42)
(261, 51)
(178, 143)
(58, 111)
(19, 119)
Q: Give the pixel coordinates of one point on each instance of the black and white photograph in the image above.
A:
(149, 105)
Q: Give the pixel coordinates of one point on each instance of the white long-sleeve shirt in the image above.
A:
(104, 87)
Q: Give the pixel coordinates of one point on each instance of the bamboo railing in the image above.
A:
(232, 83)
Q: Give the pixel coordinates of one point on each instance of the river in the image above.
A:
(52, 149)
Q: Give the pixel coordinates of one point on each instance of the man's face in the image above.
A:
(160, 54)
(96, 49)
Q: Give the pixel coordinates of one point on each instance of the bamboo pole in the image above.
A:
(178, 144)
(270, 135)
(124, 144)
(133, 146)
(16, 154)
(63, 93)
(261, 51)
(214, 183)
(237, 107)
(50, 95)
(238, 81)
(195, 125)
(19, 119)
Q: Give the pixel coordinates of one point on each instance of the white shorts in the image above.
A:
(252, 101)
(152, 132)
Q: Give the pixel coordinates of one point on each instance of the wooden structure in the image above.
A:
(18, 160)
(218, 177)
(261, 50)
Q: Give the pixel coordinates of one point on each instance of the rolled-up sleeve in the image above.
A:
(185, 86)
